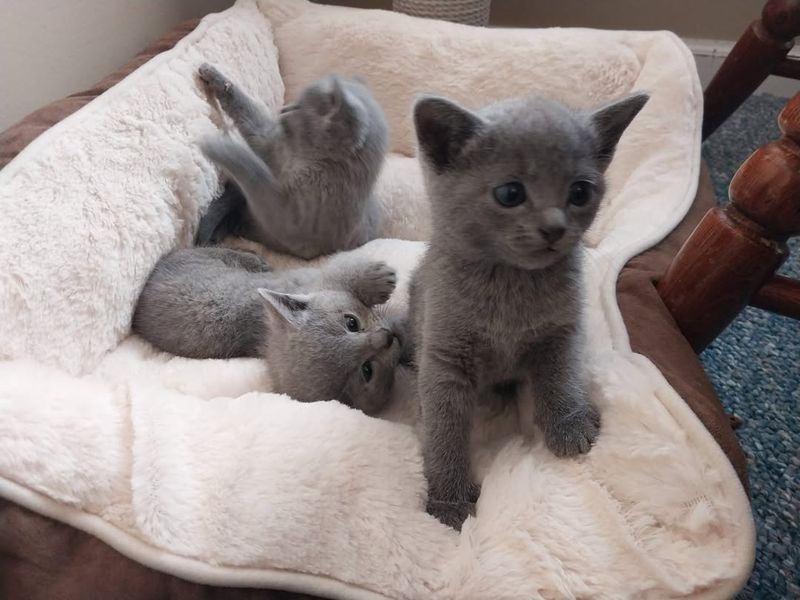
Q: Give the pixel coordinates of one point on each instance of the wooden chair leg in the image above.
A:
(779, 295)
(761, 50)
(736, 249)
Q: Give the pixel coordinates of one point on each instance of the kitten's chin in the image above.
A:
(539, 259)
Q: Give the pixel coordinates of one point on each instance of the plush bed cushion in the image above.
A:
(43, 558)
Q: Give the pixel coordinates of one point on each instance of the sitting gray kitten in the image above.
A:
(307, 177)
(314, 326)
(495, 302)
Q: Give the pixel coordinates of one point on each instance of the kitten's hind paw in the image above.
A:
(375, 283)
(239, 259)
(252, 262)
(214, 81)
(574, 434)
(452, 514)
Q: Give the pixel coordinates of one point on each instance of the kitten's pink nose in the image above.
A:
(552, 224)
(378, 340)
(552, 233)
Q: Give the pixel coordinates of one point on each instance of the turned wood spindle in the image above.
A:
(735, 250)
(761, 50)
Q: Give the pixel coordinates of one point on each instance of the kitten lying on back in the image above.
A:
(314, 326)
(496, 302)
(304, 181)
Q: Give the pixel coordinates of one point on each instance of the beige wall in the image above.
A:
(51, 48)
(709, 19)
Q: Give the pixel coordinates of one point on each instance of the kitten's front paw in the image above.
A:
(574, 434)
(450, 513)
(376, 283)
(214, 81)
(218, 149)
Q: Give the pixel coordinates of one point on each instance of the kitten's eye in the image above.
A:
(366, 371)
(352, 324)
(510, 194)
(580, 193)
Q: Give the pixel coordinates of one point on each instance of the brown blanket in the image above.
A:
(42, 559)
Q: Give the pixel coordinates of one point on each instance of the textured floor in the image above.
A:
(755, 367)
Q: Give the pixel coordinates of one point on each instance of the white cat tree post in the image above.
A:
(469, 12)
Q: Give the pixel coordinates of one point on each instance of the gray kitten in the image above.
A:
(495, 302)
(315, 326)
(306, 178)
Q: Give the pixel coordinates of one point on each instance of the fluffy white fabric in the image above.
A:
(193, 468)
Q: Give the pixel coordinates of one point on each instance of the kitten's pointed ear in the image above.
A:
(290, 308)
(443, 130)
(612, 119)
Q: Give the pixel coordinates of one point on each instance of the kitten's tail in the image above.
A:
(223, 216)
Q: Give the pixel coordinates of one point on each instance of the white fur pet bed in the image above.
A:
(192, 468)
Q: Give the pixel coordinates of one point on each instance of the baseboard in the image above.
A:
(709, 55)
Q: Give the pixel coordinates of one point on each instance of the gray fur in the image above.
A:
(222, 303)
(495, 303)
(224, 216)
(307, 177)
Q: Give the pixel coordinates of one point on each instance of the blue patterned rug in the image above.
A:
(755, 367)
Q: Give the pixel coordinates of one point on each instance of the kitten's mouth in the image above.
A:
(397, 334)
(395, 345)
(397, 351)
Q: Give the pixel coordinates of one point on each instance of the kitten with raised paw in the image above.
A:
(317, 328)
(496, 300)
(303, 182)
